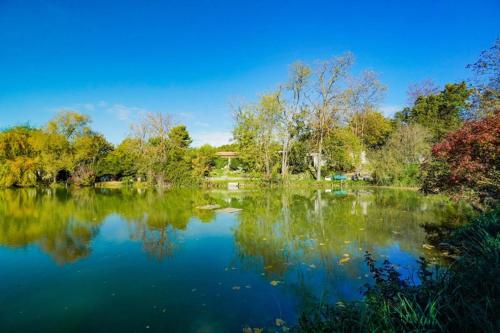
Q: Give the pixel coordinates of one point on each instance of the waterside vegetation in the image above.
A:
(324, 120)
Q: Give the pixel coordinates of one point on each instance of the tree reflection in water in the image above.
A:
(274, 230)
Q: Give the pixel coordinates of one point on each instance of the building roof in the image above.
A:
(226, 153)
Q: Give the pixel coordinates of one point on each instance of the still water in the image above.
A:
(141, 261)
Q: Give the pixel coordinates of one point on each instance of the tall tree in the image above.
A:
(69, 123)
(371, 127)
(439, 113)
(326, 101)
(255, 132)
(486, 81)
(293, 111)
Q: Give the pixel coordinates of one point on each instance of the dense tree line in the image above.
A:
(322, 120)
(326, 120)
(67, 150)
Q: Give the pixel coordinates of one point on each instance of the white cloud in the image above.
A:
(89, 107)
(390, 110)
(124, 112)
(215, 138)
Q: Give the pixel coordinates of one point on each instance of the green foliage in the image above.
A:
(343, 150)
(465, 163)
(372, 128)
(440, 113)
(121, 161)
(255, 134)
(203, 160)
(398, 162)
(69, 124)
(18, 163)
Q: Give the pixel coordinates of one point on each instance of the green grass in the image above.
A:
(463, 297)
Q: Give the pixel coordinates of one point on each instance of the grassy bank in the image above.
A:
(463, 297)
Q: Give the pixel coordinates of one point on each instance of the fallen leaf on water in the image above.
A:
(322, 244)
(361, 229)
(347, 242)
(427, 246)
(274, 283)
(344, 260)
(279, 321)
(346, 254)
(258, 330)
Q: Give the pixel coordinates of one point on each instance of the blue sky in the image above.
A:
(116, 59)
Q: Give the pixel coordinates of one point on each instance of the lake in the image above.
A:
(90, 260)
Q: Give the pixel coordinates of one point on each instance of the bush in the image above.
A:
(465, 163)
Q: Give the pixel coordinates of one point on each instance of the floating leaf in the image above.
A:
(344, 260)
(427, 246)
(279, 321)
(347, 242)
(274, 283)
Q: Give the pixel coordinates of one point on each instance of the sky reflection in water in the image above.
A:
(128, 261)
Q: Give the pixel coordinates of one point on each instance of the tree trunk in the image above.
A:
(284, 161)
(319, 157)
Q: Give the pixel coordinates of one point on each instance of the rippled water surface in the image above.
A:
(129, 261)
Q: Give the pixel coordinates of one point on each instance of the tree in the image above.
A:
(69, 123)
(203, 160)
(343, 150)
(178, 169)
(486, 81)
(152, 135)
(293, 112)
(255, 133)
(372, 128)
(54, 154)
(18, 164)
(439, 113)
(361, 97)
(399, 160)
(89, 150)
(422, 89)
(122, 161)
(467, 160)
(326, 100)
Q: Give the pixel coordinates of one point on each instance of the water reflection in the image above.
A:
(278, 228)
(173, 264)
